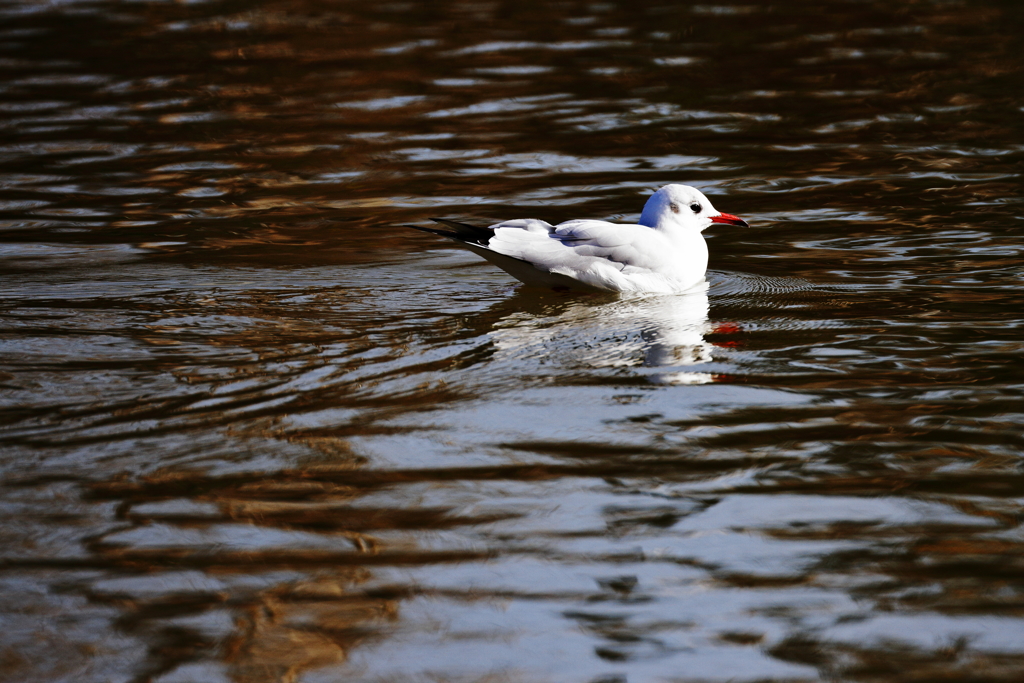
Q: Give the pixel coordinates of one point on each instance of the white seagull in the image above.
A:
(663, 253)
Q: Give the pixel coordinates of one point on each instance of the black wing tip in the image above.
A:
(475, 237)
(462, 232)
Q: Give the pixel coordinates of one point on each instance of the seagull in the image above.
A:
(663, 253)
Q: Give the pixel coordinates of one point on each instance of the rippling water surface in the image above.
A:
(253, 430)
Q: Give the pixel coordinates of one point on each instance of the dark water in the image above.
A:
(252, 430)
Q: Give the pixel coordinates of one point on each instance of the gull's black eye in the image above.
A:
(695, 207)
(674, 207)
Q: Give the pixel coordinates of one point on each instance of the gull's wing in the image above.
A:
(478, 239)
(597, 253)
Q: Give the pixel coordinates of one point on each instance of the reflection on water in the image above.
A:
(662, 332)
(252, 430)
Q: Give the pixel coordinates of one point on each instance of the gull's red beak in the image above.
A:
(729, 219)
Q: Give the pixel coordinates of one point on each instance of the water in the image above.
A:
(254, 430)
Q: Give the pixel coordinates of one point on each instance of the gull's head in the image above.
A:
(682, 206)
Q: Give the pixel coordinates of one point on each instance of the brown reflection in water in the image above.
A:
(312, 622)
(290, 627)
(898, 663)
(308, 625)
(279, 632)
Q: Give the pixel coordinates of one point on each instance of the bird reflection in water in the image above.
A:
(662, 332)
